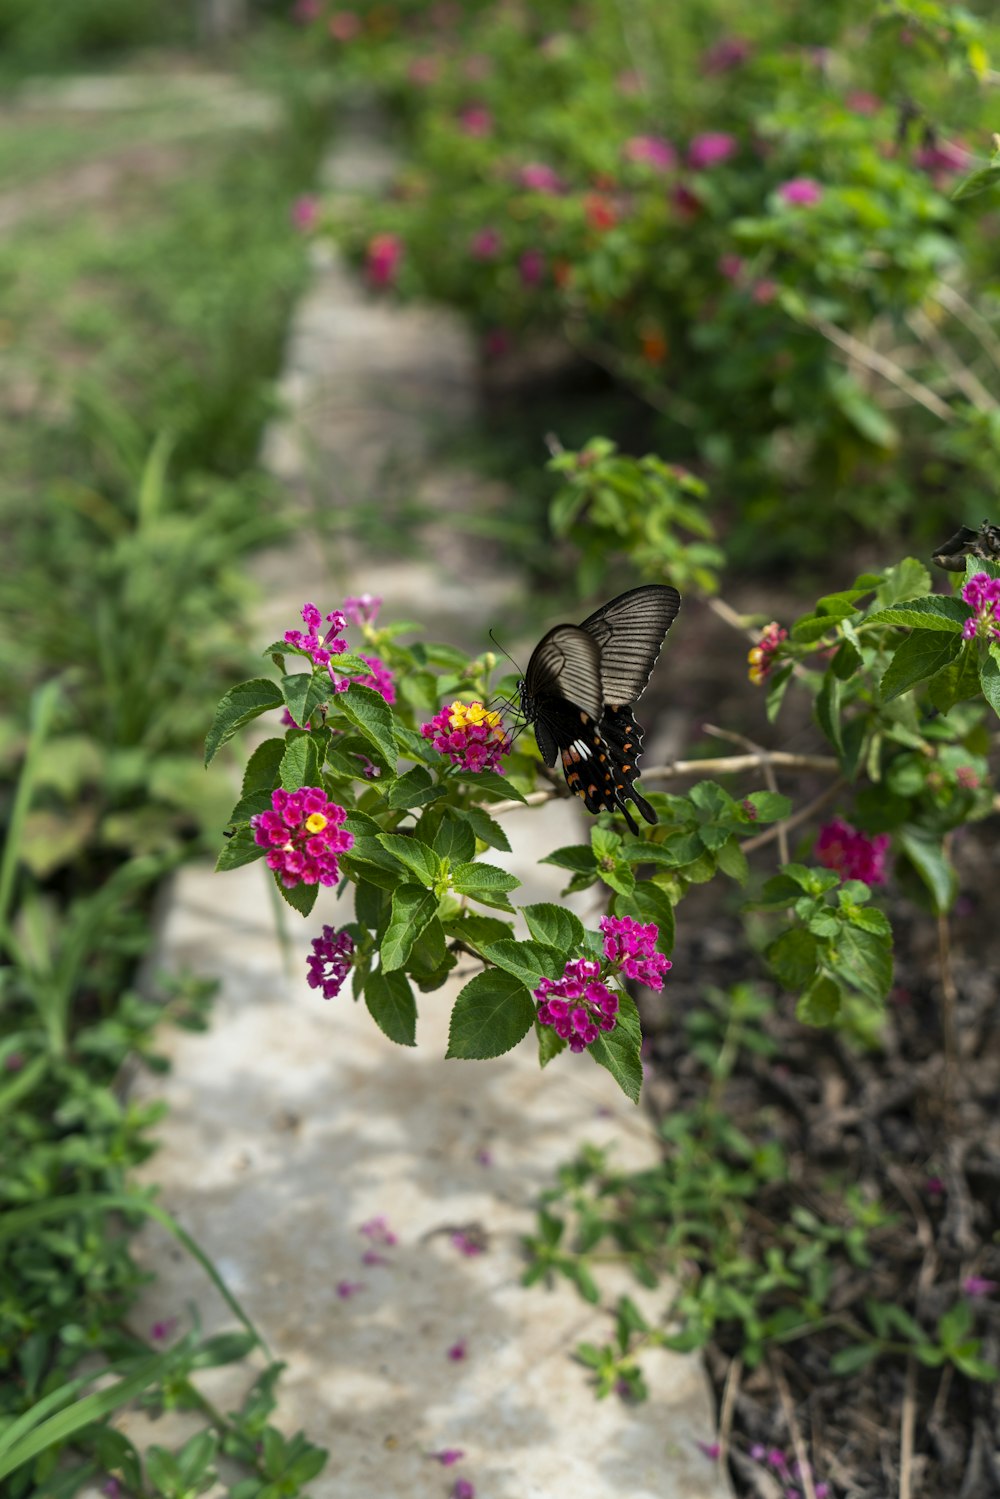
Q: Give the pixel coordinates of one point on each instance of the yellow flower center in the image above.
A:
(316, 822)
(470, 715)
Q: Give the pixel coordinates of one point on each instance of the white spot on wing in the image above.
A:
(582, 749)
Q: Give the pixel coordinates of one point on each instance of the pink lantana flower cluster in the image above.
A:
(318, 647)
(385, 251)
(853, 855)
(631, 947)
(982, 593)
(761, 655)
(303, 834)
(380, 680)
(362, 610)
(471, 735)
(577, 1006)
(330, 961)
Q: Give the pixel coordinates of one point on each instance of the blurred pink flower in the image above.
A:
(653, 150)
(477, 68)
(686, 204)
(385, 251)
(485, 244)
(344, 25)
(711, 148)
(496, 343)
(305, 212)
(531, 267)
(476, 120)
(860, 102)
(729, 52)
(730, 266)
(305, 11)
(941, 160)
(539, 178)
(764, 292)
(800, 192)
(630, 82)
(423, 70)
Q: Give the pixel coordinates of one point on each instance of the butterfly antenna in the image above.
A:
(500, 648)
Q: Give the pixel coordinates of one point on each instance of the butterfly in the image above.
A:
(984, 544)
(579, 689)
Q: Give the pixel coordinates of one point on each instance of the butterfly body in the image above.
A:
(578, 692)
(983, 544)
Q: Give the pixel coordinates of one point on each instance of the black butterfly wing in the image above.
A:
(563, 679)
(622, 737)
(630, 631)
(984, 544)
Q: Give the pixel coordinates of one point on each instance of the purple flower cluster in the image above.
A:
(577, 1006)
(330, 961)
(472, 736)
(853, 855)
(380, 680)
(982, 593)
(631, 947)
(362, 610)
(760, 656)
(319, 648)
(303, 833)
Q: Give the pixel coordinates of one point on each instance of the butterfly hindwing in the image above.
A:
(578, 692)
(983, 544)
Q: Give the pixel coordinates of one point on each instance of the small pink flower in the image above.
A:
(305, 11)
(730, 52)
(458, 1351)
(577, 1006)
(942, 159)
(652, 150)
(631, 947)
(468, 1243)
(476, 120)
(967, 778)
(861, 103)
(710, 1450)
(484, 1157)
(14, 1061)
(471, 735)
(348, 1288)
(761, 656)
(539, 178)
(977, 1285)
(982, 594)
(800, 192)
(853, 855)
(730, 266)
(448, 1456)
(330, 961)
(385, 251)
(305, 213)
(764, 292)
(303, 833)
(531, 267)
(686, 204)
(377, 1231)
(710, 149)
(111, 1488)
(363, 609)
(464, 1489)
(344, 25)
(372, 1257)
(423, 70)
(485, 244)
(161, 1332)
(477, 67)
(935, 1187)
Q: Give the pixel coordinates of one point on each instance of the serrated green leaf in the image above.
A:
(820, 1005)
(412, 908)
(304, 692)
(917, 658)
(369, 712)
(301, 898)
(929, 859)
(453, 838)
(238, 850)
(491, 1015)
(484, 882)
(777, 686)
(488, 783)
(793, 957)
(865, 959)
(391, 1005)
(554, 926)
(485, 827)
(828, 701)
(414, 789)
(647, 902)
(528, 962)
(733, 861)
(261, 773)
(770, 806)
(416, 856)
(908, 579)
(240, 706)
(938, 611)
(577, 856)
(618, 1051)
(989, 678)
(299, 763)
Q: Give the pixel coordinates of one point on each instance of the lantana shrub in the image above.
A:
(391, 797)
(796, 223)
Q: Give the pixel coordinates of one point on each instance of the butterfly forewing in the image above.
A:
(579, 689)
(630, 631)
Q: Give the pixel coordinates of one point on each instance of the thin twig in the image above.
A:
(906, 1430)
(970, 318)
(802, 1456)
(780, 829)
(968, 383)
(887, 368)
(729, 1394)
(804, 814)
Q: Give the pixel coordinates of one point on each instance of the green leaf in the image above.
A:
(853, 1359)
(907, 580)
(989, 677)
(957, 682)
(929, 859)
(369, 712)
(488, 783)
(977, 182)
(619, 1050)
(239, 706)
(554, 925)
(770, 806)
(485, 827)
(300, 762)
(828, 709)
(528, 962)
(414, 789)
(918, 657)
(793, 957)
(304, 692)
(301, 898)
(865, 959)
(578, 857)
(485, 883)
(454, 839)
(412, 908)
(418, 858)
(820, 1005)
(647, 902)
(477, 930)
(238, 850)
(392, 1007)
(776, 687)
(491, 1015)
(938, 611)
(733, 861)
(261, 773)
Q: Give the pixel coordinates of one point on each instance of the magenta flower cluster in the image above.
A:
(330, 961)
(631, 947)
(982, 593)
(577, 1006)
(303, 834)
(380, 679)
(853, 855)
(473, 737)
(318, 647)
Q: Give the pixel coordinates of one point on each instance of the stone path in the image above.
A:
(296, 1122)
